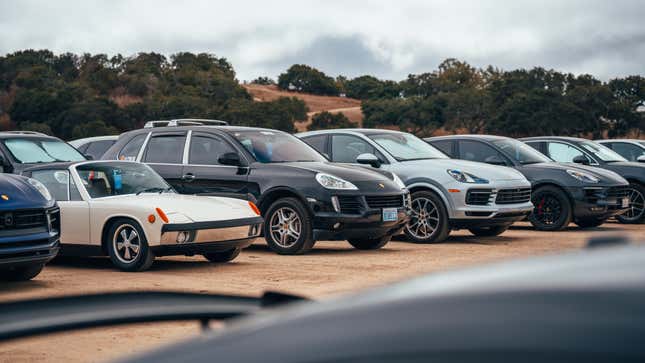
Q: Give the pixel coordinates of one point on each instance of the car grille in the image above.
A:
(380, 201)
(618, 192)
(479, 196)
(26, 219)
(350, 204)
(513, 196)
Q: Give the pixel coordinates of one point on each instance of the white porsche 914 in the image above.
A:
(127, 211)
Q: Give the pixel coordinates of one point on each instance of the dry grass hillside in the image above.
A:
(348, 106)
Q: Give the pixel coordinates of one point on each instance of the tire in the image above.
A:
(552, 210)
(288, 227)
(636, 213)
(436, 219)
(128, 258)
(590, 223)
(488, 231)
(23, 273)
(369, 244)
(224, 256)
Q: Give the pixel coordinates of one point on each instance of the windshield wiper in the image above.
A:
(154, 190)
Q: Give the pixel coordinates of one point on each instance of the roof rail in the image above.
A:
(185, 122)
(24, 133)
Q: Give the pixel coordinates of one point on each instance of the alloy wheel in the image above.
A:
(636, 205)
(548, 209)
(126, 243)
(424, 219)
(285, 227)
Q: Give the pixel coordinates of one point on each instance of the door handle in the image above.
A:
(188, 177)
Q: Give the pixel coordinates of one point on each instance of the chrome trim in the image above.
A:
(184, 159)
(143, 147)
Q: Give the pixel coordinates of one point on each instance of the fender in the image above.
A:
(434, 186)
(103, 225)
(278, 189)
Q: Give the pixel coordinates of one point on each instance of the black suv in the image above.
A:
(20, 150)
(561, 192)
(302, 197)
(587, 152)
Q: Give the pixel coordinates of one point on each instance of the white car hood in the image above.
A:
(185, 208)
(482, 170)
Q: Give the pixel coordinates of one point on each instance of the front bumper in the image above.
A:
(598, 202)
(205, 237)
(23, 248)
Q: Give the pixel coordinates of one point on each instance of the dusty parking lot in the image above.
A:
(331, 268)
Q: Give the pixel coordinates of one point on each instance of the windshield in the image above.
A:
(521, 152)
(602, 152)
(276, 147)
(27, 151)
(404, 147)
(120, 178)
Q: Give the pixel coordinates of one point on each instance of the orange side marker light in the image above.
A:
(152, 218)
(254, 207)
(454, 190)
(162, 215)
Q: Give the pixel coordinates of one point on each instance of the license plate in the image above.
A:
(625, 202)
(390, 214)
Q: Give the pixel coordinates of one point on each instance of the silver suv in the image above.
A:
(446, 193)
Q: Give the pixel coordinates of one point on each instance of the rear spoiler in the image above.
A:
(45, 316)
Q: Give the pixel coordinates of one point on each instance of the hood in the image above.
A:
(627, 169)
(182, 208)
(20, 194)
(605, 176)
(482, 170)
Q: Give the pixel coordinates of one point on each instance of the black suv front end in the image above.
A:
(599, 202)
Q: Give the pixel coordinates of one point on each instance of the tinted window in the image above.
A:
(562, 152)
(132, 148)
(521, 152)
(444, 145)
(317, 142)
(96, 149)
(56, 181)
(478, 151)
(404, 146)
(601, 151)
(628, 151)
(167, 149)
(206, 150)
(345, 148)
(269, 146)
(82, 148)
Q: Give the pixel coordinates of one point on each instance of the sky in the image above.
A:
(388, 39)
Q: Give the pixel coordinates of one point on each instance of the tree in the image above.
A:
(326, 120)
(302, 78)
(368, 87)
(93, 128)
(265, 81)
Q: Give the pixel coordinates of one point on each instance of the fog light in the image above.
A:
(182, 237)
(336, 225)
(335, 203)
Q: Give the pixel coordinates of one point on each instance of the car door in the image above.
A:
(164, 152)
(565, 153)
(203, 174)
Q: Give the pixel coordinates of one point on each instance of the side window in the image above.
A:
(445, 146)
(562, 152)
(206, 150)
(478, 151)
(83, 147)
(74, 194)
(132, 148)
(96, 149)
(345, 148)
(628, 151)
(318, 142)
(167, 149)
(56, 181)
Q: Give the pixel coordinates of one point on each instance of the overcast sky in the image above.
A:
(387, 39)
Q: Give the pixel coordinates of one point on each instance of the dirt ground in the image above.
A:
(331, 268)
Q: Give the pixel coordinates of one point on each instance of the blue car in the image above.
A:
(29, 227)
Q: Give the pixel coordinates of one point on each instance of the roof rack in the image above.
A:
(185, 122)
(24, 133)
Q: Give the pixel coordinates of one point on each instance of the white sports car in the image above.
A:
(127, 211)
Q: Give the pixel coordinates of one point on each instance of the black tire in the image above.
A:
(636, 214)
(22, 273)
(295, 234)
(224, 256)
(552, 210)
(141, 257)
(590, 223)
(369, 244)
(488, 231)
(436, 212)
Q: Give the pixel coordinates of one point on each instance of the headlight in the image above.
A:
(41, 188)
(464, 177)
(398, 181)
(583, 177)
(332, 182)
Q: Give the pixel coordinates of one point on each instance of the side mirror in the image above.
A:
(495, 160)
(369, 159)
(232, 159)
(641, 159)
(581, 159)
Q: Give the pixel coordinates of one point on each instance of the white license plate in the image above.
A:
(390, 214)
(625, 202)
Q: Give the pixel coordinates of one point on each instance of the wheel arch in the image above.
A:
(556, 185)
(428, 186)
(273, 194)
(108, 223)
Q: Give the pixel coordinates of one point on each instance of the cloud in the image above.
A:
(388, 39)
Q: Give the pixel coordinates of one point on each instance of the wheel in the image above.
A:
(22, 273)
(429, 220)
(128, 247)
(590, 223)
(369, 244)
(552, 210)
(288, 228)
(224, 256)
(636, 212)
(488, 231)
